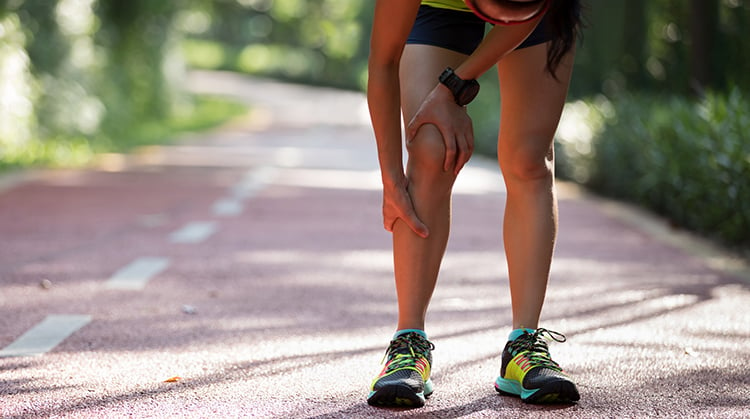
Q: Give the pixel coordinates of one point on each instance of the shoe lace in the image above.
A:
(404, 349)
(536, 347)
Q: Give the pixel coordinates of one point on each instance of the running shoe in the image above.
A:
(529, 372)
(405, 379)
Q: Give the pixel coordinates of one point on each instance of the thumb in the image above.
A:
(421, 230)
(416, 225)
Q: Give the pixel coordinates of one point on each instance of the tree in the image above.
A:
(704, 24)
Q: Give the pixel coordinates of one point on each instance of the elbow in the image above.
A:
(383, 59)
(381, 75)
(382, 65)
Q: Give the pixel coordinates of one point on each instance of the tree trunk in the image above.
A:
(704, 16)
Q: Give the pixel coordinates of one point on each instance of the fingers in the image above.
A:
(412, 221)
(389, 223)
(398, 205)
(451, 148)
(466, 146)
(459, 143)
(409, 216)
(458, 151)
(466, 149)
(451, 151)
(413, 127)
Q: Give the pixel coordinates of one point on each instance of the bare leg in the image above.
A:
(417, 260)
(532, 101)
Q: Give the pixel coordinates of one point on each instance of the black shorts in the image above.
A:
(460, 31)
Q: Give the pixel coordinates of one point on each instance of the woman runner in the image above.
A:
(424, 60)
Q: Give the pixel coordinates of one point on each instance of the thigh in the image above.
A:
(438, 39)
(531, 102)
(421, 66)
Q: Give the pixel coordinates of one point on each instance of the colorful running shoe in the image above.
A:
(405, 379)
(529, 372)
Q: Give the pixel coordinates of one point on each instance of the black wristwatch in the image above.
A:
(464, 91)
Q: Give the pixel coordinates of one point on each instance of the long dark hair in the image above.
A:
(564, 25)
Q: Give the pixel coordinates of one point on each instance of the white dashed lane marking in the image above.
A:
(194, 232)
(226, 207)
(136, 275)
(45, 335)
(54, 329)
(253, 182)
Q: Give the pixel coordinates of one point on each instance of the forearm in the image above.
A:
(500, 41)
(385, 112)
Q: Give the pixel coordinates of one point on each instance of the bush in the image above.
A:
(485, 114)
(688, 160)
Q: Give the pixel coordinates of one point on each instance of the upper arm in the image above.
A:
(390, 28)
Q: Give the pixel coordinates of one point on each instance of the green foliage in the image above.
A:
(63, 59)
(311, 41)
(207, 55)
(669, 46)
(17, 92)
(140, 73)
(689, 160)
(199, 114)
(485, 114)
(86, 76)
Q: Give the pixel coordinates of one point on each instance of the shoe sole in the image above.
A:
(397, 395)
(554, 392)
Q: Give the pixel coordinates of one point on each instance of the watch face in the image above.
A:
(467, 94)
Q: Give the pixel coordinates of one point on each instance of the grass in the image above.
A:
(205, 112)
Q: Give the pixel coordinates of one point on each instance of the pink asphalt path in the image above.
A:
(284, 309)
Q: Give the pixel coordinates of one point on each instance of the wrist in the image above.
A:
(393, 179)
(463, 73)
(463, 90)
(443, 92)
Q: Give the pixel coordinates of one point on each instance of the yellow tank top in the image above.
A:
(447, 4)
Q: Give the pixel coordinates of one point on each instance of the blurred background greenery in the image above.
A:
(658, 110)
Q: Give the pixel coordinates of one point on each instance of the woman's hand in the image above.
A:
(440, 109)
(397, 204)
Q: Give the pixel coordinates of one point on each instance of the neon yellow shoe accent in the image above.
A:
(528, 371)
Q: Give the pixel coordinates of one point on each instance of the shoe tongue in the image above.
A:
(524, 342)
(401, 346)
(401, 351)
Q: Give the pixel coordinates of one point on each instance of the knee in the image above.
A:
(427, 152)
(427, 176)
(525, 166)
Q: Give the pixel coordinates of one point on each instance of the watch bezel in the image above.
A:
(464, 91)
